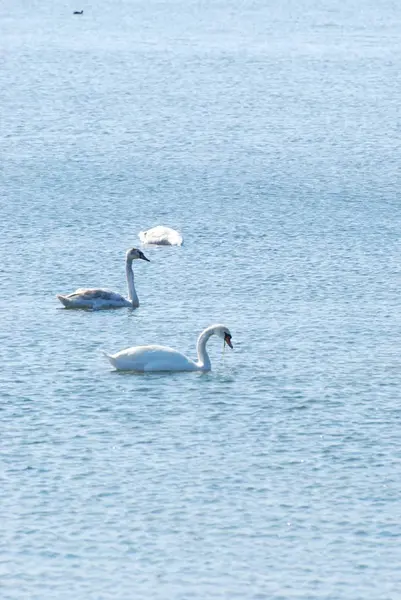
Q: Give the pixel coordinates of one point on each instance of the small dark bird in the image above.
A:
(78, 12)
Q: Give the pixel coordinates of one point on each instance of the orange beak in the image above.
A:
(227, 340)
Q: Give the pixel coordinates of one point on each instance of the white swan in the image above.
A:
(162, 236)
(162, 358)
(97, 298)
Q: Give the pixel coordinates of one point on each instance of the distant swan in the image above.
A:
(162, 236)
(98, 298)
(162, 358)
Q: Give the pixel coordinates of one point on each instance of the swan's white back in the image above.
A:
(161, 236)
(151, 358)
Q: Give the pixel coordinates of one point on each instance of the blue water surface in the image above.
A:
(269, 134)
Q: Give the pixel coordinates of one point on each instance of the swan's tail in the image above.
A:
(110, 358)
(65, 301)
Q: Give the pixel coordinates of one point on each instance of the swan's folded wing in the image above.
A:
(162, 236)
(95, 294)
(151, 358)
(94, 299)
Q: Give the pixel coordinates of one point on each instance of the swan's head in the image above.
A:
(134, 254)
(224, 333)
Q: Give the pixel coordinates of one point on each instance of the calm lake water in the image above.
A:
(270, 136)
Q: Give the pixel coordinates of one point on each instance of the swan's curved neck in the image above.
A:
(132, 295)
(203, 357)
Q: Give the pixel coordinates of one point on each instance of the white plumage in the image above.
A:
(163, 358)
(161, 236)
